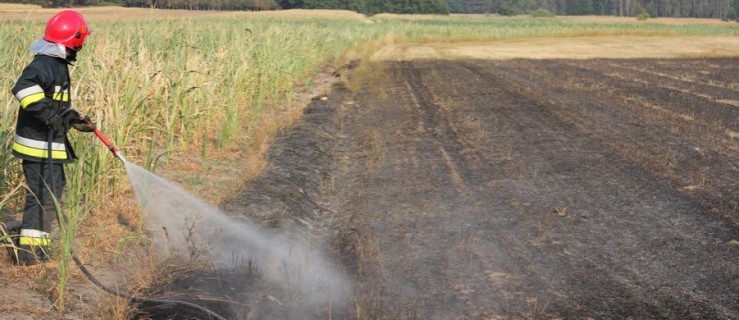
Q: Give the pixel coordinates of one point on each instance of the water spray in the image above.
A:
(117, 154)
(292, 265)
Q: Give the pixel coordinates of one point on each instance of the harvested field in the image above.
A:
(586, 47)
(102, 14)
(526, 189)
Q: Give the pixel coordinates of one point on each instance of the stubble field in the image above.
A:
(543, 189)
(562, 189)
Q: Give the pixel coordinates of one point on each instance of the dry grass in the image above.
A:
(18, 6)
(666, 21)
(320, 14)
(574, 19)
(100, 14)
(568, 48)
(225, 171)
(367, 72)
(423, 17)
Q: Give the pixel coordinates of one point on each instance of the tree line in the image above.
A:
(655, 8)
(371, 7)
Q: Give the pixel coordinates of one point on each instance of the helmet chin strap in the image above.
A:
(71, 56)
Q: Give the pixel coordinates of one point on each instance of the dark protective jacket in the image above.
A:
(43, 90)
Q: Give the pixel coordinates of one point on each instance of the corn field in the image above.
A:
(164, 82)
(164, 86)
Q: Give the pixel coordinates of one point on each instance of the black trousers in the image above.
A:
(39, 211)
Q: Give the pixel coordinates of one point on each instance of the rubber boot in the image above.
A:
(32, 255)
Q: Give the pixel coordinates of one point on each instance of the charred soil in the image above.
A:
(522, 188)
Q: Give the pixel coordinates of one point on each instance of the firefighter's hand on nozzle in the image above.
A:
(76, 114)
(57, 123)
(84, 124)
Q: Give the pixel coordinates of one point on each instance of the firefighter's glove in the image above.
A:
(73, 114)
(57, 124)
(84, 125)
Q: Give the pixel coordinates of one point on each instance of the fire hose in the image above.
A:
(88, 274)
(107, 143)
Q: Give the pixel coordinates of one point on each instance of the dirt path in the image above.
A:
(534, 189)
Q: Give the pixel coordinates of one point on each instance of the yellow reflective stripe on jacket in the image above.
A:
(59, 94)
(30, 95)
(38, 144)
(32, 99)
(38, 148)
(39, 153)
(30, 241)
(35, 93)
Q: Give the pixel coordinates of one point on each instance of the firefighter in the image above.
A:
(44, 118)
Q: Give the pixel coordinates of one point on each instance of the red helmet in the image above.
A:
(67, 28)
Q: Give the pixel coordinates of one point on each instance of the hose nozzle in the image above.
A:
(119, 156)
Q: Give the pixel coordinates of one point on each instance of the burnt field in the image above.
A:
(522, 188)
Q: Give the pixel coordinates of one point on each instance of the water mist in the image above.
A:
(177, 219)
